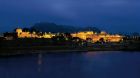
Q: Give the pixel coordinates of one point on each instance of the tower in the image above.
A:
(18, 31)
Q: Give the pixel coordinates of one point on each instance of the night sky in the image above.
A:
(108, 15)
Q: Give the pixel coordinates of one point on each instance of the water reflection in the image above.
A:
(39, 62)
(72, 65)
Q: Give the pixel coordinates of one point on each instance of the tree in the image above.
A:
(26, 30)
(135, 34)
(102, 40)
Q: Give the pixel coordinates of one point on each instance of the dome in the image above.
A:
(103, 33)
(18, 30)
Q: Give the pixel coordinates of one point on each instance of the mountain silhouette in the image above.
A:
(52, 27)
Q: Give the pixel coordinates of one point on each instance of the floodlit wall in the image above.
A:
(22, 34)
(96, 37)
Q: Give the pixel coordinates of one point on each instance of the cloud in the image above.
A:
(83, 12)
(68, 7)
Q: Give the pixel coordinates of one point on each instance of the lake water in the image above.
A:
(72, 65)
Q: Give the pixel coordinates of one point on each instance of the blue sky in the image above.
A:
(109, 15)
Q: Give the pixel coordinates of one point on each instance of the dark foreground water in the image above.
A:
(72, 65)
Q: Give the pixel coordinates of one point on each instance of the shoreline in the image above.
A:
(13, 52)
(31, 46)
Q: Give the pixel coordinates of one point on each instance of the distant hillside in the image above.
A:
(52, 27)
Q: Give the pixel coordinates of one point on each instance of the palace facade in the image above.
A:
(95, 37)
(27, 34)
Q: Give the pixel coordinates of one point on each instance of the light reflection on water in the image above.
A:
(72, 65)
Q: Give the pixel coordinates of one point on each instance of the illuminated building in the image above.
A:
(87, 35)
(96, 37)
(22, 34)
(48, 35)
(18, 31)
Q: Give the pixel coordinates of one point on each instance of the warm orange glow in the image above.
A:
(22, 34)
(96, 37)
